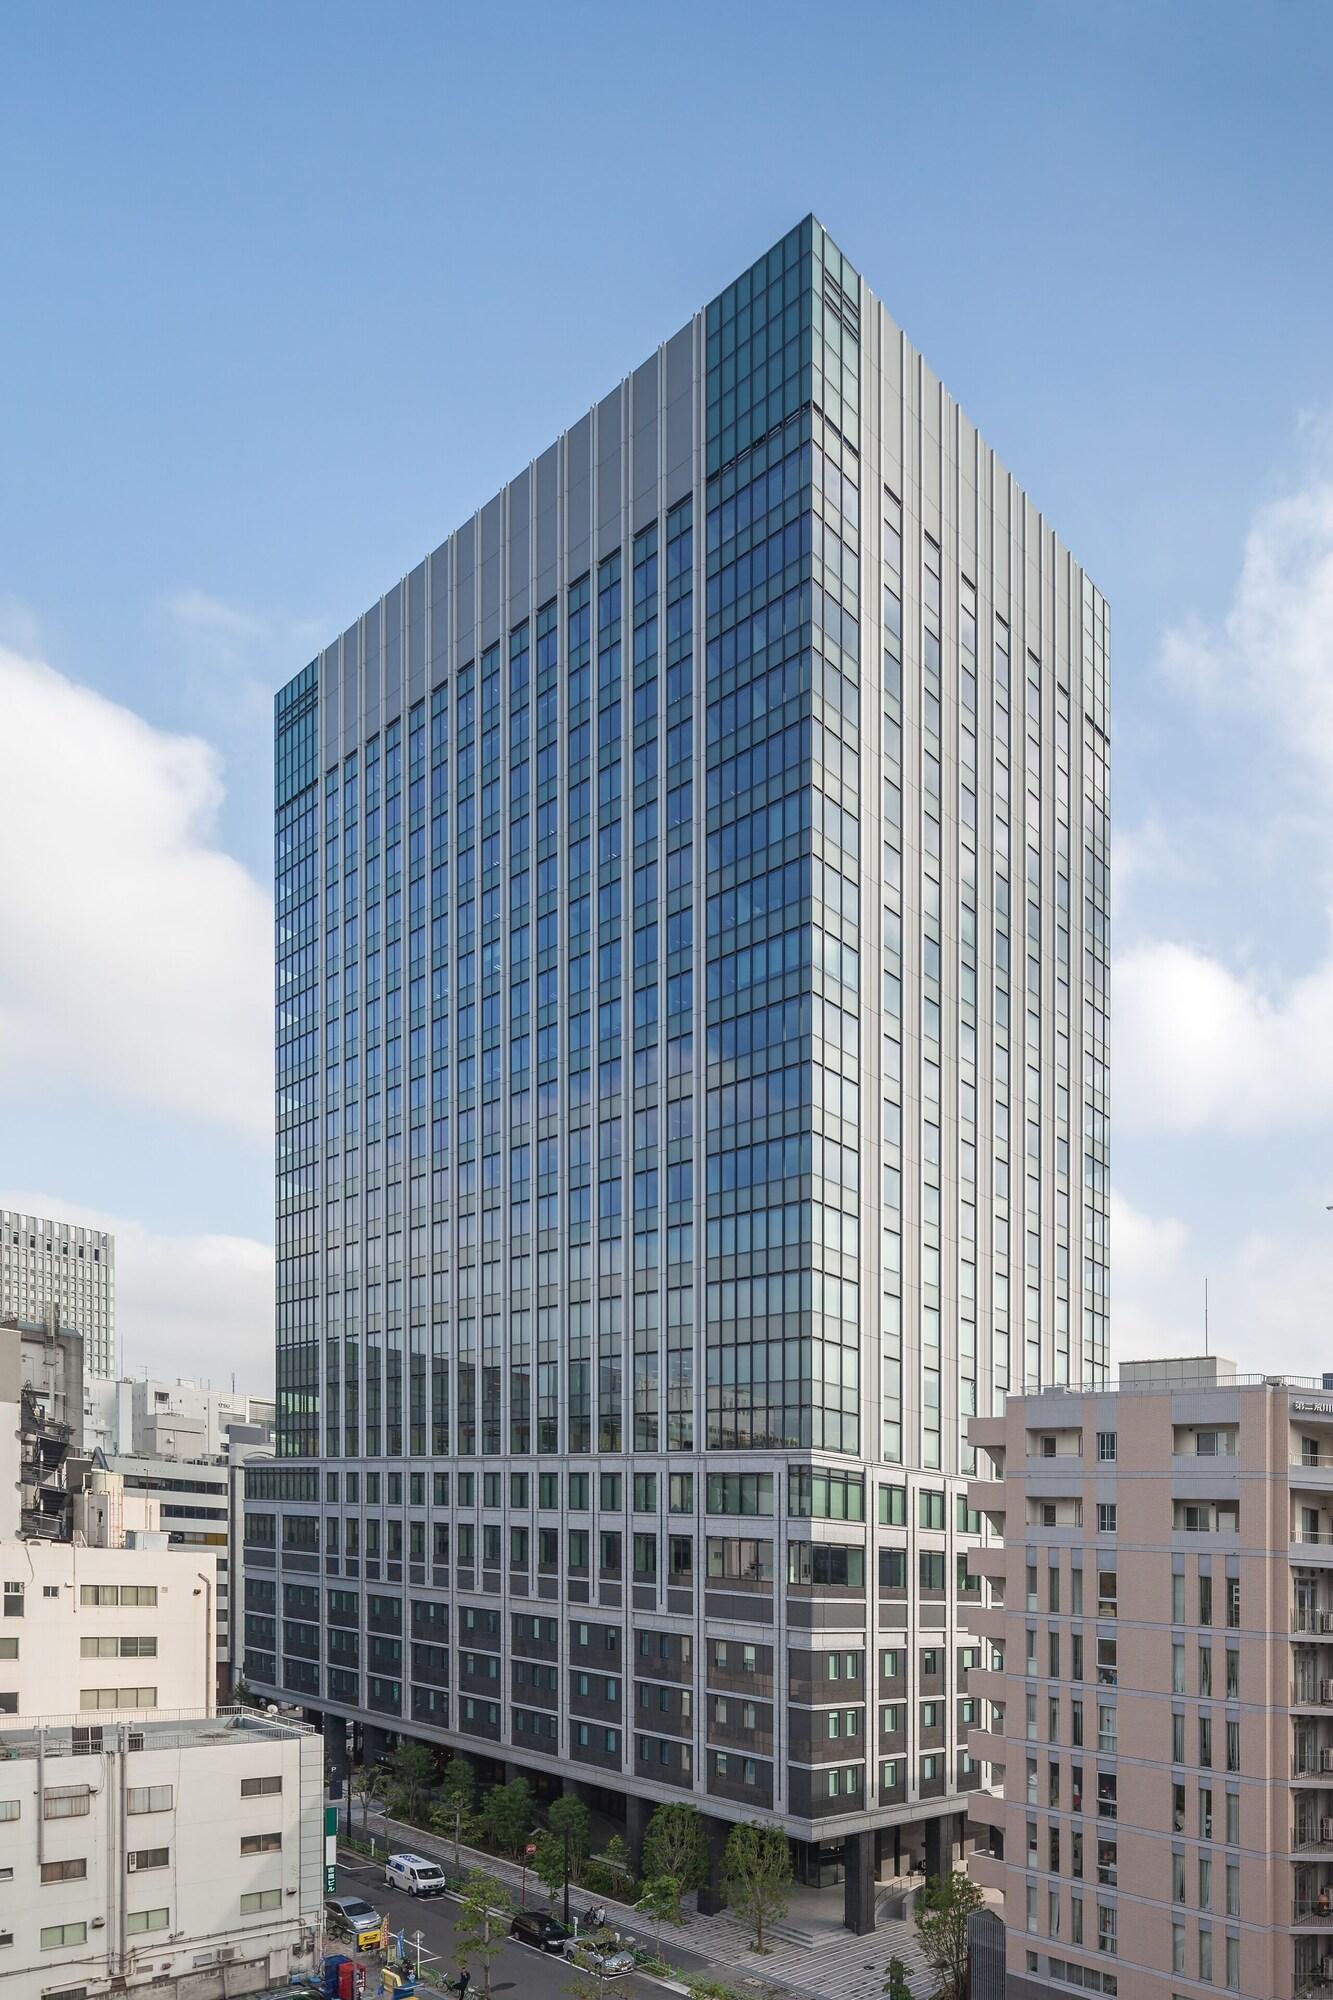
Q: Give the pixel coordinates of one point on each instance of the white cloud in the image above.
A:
(137, 955)
(232, 659)
(1201, 1047)
(1209, 1035)
(1268, 1294)
(19, 626)
(224, 624)
(1272, 654)
(197, 1306)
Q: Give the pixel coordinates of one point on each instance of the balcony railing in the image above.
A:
(1045, 1390)
(1317, 1536)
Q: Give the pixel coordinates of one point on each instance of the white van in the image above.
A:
(415, 1874)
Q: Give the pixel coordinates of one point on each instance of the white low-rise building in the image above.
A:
(186, 1855)
(145, 1840)
(121, 1630)
(151, 1418)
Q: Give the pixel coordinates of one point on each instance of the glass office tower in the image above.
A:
(691, 1090)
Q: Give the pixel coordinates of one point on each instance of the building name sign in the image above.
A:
(1313, 1409)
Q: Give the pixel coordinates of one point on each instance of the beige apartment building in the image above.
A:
(1157, 1684)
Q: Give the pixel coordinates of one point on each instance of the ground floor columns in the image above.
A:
(711, 1899)
(638, 1812)
(944, 1843)
(858, 1883)
(335, 1754)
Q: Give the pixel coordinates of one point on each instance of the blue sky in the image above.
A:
(290, 290)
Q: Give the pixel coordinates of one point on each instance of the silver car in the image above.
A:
(604, 1956)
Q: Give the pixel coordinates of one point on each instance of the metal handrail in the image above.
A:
(155, 1729)
(1315, 1382)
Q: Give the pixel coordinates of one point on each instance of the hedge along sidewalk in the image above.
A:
(694, 1941)
(717, 1947)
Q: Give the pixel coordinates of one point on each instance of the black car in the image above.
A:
(543, 1933)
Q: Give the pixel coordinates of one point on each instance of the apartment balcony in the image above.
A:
(988, 1871)
(1313, 1690)
(1312, 1831)
(986, 1746)
(986, 1496)
(1315, 1473)
(987, 1433)
(987, 1621)
(1311, 1622)
(988, 1683)
(989, 1809)
(1312, 1762)
(989, 1559)
(1312, 1548)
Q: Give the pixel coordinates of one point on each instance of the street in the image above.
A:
(516, 1968)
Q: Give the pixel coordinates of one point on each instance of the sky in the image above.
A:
(289, 291)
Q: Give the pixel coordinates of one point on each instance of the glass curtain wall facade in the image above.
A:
(691, 1028)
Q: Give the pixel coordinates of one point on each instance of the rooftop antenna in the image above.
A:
(1205, 1313)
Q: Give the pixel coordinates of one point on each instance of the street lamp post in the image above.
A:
(566, 1878)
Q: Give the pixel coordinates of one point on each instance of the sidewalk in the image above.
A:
(807, 1958)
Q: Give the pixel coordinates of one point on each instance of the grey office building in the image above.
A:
(62, 1271)
(691, 1091)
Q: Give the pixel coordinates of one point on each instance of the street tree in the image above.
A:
(660, 1903)
(940, 1915)
(507, 1813)
(453, 1808)
(895, 1981)
(616, 1861)
(756, 1874)
(481, 1925)
(412, 1772)
(569, 1816)
(675, 1844)
(369, 1783)
(548, 1865)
